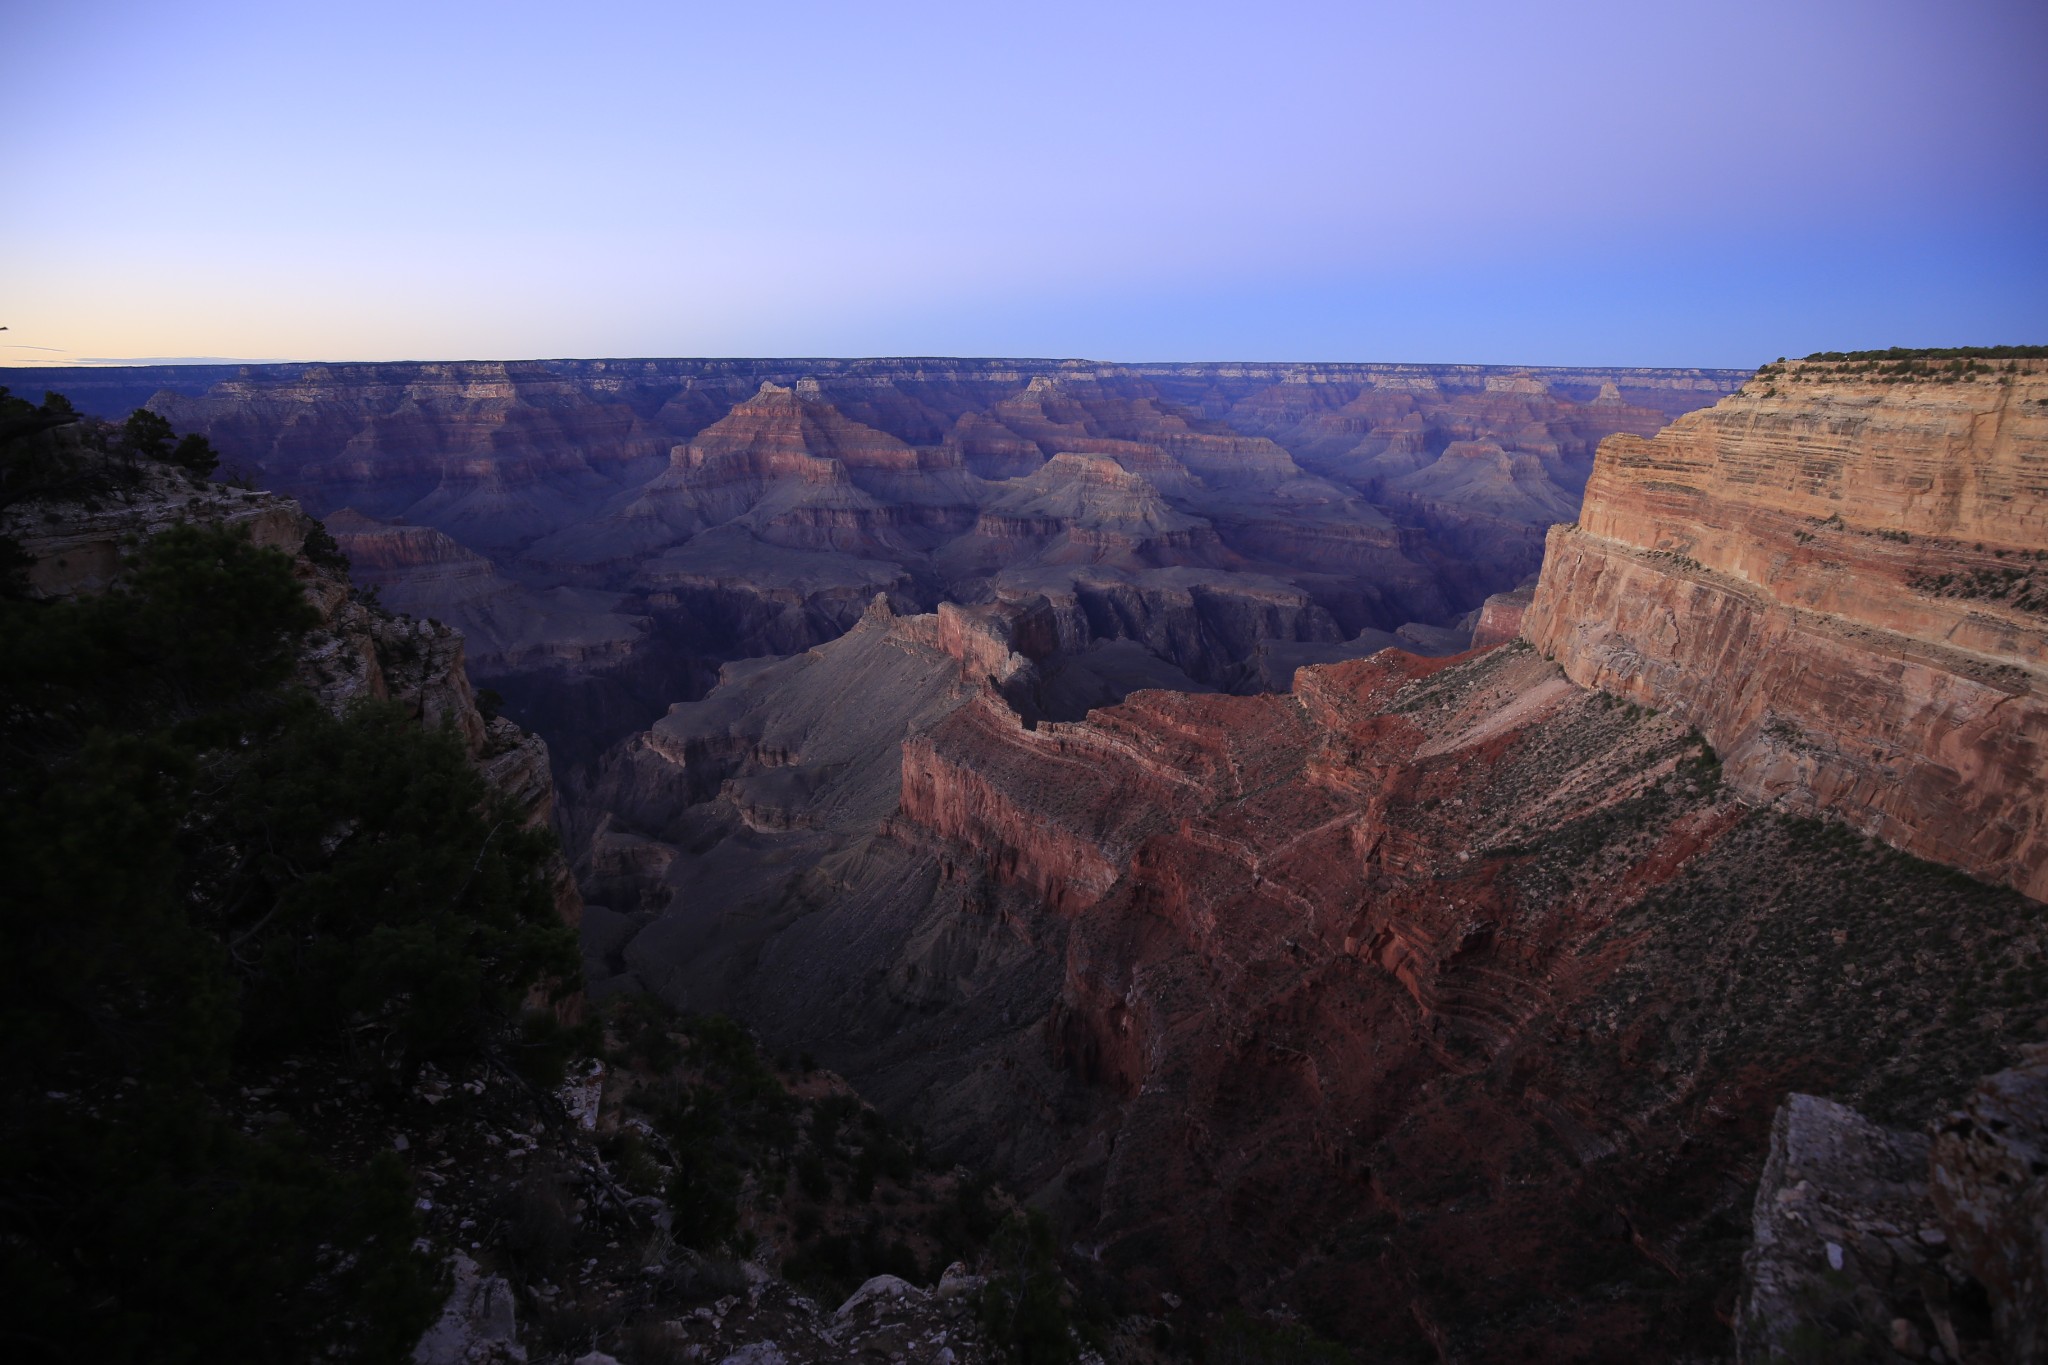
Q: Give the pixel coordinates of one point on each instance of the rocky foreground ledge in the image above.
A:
(1898, 1244)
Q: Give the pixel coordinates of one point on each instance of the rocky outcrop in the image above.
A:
(362, 651)
(1840, 579)
(1882, 1242)
(478, 1323)
(358, 649)
(1843, 1242)
(497, 1161)
(82, 552)
(1988, 1182)
(1500, 618)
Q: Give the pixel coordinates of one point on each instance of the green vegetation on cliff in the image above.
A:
(206, 875)
(51, 450)
(1939, 353)
(1906, 365)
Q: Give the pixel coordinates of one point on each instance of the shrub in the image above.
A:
(1939, 353)
(195, 455)
(200, 866)
(1023, 1307)
(146, 435)
(1240, 1340)
(323, 549)
(704, 1198)
(812, 1177)
(539, 1226)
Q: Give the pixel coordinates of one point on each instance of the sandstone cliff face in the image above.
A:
(1500, 618)
(1844, 583)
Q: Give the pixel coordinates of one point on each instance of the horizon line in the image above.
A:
(222, 362)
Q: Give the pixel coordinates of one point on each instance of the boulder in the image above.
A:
(880, 1287)
(1988, 1178)
(759, 1353)
(477, 1324)
(1837, 1225)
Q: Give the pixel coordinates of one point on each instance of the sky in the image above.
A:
(1516, 183)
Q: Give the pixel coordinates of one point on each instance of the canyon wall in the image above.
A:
(607, 533)
(1842, 579)
(1444, 1003)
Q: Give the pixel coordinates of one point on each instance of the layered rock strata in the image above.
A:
(1500, 617)
(507, 626)
(1843, 582)
(1444, 1002)
(644, 521)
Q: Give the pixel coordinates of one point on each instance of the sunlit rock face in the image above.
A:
(1843, 581)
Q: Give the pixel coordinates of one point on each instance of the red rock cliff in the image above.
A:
(1445, 1001)
(1842, 579)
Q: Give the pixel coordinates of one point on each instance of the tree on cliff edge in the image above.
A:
(203, 872)
(149, 436)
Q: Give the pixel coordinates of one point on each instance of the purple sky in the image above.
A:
(1540, 183)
